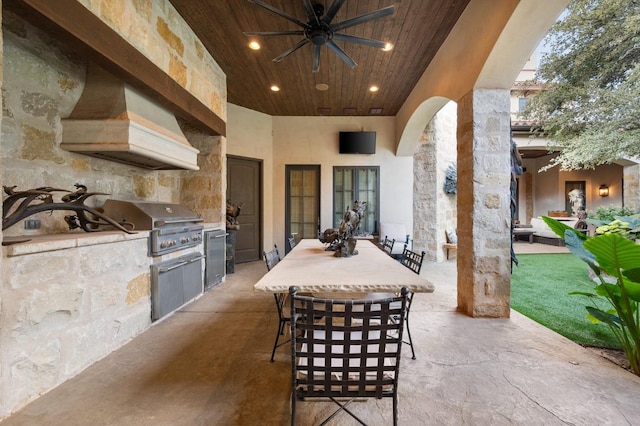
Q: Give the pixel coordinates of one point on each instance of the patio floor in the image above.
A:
(208, 364)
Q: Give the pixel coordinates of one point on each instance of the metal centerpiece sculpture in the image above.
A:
(342, 240)
(22, 204)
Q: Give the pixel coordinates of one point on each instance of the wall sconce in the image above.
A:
(603, 191)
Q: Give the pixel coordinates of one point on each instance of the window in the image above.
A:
(522, 104)
(357, 184)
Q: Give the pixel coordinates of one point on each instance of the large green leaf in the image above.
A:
(575, 243)
(608, 289)
(632, 274)
(561, 229)
(632, 288)
(614, 253)
(607, 318)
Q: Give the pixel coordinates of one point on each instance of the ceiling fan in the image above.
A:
(319, 31)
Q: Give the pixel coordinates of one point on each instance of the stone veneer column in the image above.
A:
(632, 186)
(434, 211)
(484, 170)
(205, 190)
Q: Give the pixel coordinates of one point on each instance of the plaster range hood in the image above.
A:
(116, 122)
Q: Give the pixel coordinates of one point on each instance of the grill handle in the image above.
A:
(164, 222)
(186, 262)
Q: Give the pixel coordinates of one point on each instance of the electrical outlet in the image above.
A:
(32, 224)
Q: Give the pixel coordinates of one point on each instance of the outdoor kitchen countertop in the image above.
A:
(30, 244)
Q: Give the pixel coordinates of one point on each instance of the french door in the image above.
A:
(302, 199)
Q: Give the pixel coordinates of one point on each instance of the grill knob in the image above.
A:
(184, 240)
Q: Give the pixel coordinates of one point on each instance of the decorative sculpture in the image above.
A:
(38, 200)
(451, 179)
(233, 211)
(342, 240)
(516, 170)
(576, 199)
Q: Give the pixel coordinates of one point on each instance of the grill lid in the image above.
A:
(149, 215)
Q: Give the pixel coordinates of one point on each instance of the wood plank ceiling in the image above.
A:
(417, 30)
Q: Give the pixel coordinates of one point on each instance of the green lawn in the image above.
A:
(539, 290)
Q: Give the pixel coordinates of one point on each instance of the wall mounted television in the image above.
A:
(357, 142)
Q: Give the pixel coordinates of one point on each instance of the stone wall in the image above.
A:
(434, 211)
(632, 187)
(64, 308)
(157, 30)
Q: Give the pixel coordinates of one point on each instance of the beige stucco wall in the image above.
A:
(548, 186)
(281, 141)
(249, 135)
(314, 140)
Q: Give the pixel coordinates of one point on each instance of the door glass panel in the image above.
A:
(303, 203)
(361, 184)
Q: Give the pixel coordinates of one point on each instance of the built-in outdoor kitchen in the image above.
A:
(116, 208)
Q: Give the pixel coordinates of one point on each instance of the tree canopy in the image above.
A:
(589, 104)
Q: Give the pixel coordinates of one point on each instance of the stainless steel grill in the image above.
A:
(176, 281)
(173, 226)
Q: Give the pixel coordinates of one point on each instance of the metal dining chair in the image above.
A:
(346, 350)
(272, 258)
(292, 242)
(387, 245)
(413, 261)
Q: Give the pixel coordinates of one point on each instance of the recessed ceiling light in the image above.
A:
(375, 111)
(324, 111)
(387, 47)
(322, 87)
(348, 111)
(275, 88)
(374, 88)
(254, 45)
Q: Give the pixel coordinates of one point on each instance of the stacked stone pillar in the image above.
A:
(484, 218)
(632, 187)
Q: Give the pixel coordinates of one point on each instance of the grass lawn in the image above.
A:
(539, 290)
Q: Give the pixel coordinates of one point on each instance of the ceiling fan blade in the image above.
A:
(311, 14)
(342, 54)
(280, 13)
(360, 40)
(297, 46)
(333, 10)
(315, 66)
(272, 33)
(386, 11)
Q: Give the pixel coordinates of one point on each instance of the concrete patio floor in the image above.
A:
(208, 364)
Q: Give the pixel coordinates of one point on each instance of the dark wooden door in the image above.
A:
(244, 183)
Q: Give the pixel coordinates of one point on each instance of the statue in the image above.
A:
(576, 199)
(233, 211)
(342, 240)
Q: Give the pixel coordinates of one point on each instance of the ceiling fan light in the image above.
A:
(387, 47)
(254, 45)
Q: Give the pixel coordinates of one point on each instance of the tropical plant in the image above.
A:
(610, 212)
(615, 296)
(625, 226)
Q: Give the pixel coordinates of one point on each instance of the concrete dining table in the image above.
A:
(313, 269)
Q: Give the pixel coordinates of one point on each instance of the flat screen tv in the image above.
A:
(357, 142)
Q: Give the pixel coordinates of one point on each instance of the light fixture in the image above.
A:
(275, 88)
(603, 191)
(387, 47)
(254, 45)
(374, 88)
(322, 87)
